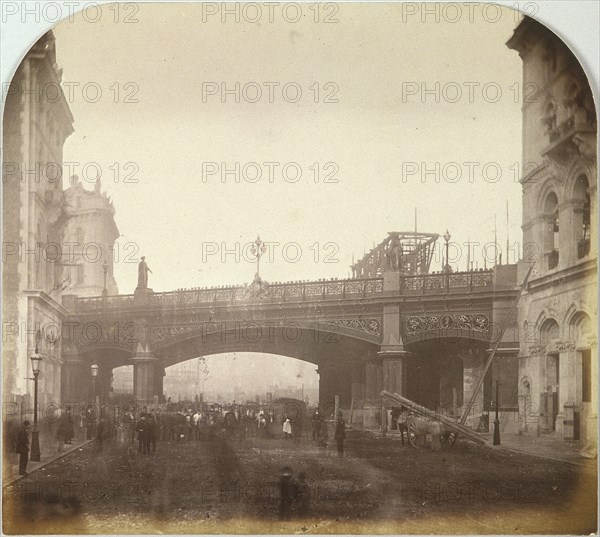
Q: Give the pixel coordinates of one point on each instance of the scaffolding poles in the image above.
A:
(511, 312)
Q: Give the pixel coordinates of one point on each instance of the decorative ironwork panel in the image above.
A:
(459, 279)
(223, 295)
(313, 289)
(435, 281)
(370, 326)
(354, 287)
(413, 283)
(481, 279)
(293, 291)
(478, 322)
(335, 288)
(277, 291)
(373, 286)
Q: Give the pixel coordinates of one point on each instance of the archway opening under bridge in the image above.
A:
(442, 375)
(241, 377)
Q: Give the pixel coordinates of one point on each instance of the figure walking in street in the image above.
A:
(23, 447)
(287, 494)
(316, 425)
(287, 429)
(129, 422)
(100, 432)
(151, 430)
(142, 432)
(340, 434)
(303, 496)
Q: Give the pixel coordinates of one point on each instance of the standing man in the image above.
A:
(151, 430)
(100, 432)
(316, 425)
(287, 429)
(340, 434)
(287, 493)
(142, 434)
(23, 447)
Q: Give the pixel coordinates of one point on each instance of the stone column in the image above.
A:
(145, 369)
(394, 372)
(159, 381)
(333, 380)
(589, 412)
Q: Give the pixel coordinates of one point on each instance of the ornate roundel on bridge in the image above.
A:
(479, 322)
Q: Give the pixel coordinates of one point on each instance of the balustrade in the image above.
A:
(437, 283)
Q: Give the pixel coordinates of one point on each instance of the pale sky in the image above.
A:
(380, 138)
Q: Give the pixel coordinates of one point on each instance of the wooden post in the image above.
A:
(336, 408)
(351, 411)
(454, 402)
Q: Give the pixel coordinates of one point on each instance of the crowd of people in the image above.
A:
(147, 425)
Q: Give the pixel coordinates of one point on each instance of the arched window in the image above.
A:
(582, 216)
(551, 239)
(548, 331)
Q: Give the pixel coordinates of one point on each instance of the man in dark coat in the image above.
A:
(316, 425)
(287, 494)
(23, 447)
(340, 435)
(101, 432)
(151, 432)
(142, 430)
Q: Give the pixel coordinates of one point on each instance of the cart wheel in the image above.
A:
(448, 440)
(411, 433)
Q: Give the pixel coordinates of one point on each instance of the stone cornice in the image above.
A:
(47, 300)
(580, 270)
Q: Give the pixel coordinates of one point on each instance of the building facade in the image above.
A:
(557, 315)
(91, 233)
(39, 220)
(36, 123)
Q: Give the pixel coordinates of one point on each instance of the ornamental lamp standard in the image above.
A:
(105, 271)
(94, 369)
(258, 249)
(496, 441)
(36, 361)
(447, 237)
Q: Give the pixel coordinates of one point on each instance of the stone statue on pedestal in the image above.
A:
(143, 270)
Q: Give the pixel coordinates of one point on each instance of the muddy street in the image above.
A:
(377, 486)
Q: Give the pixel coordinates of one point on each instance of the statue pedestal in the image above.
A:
(141, 297)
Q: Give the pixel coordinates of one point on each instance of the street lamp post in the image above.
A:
(36, 360)
(104, 289)
(447, 237)
(94, 370)
(497, 420)
(258, 249)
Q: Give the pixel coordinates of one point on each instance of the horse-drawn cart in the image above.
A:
(424, 424)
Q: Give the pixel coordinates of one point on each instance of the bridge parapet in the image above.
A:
(446, 282)
(310, 291)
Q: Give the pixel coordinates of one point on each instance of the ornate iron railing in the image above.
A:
(312, 291)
